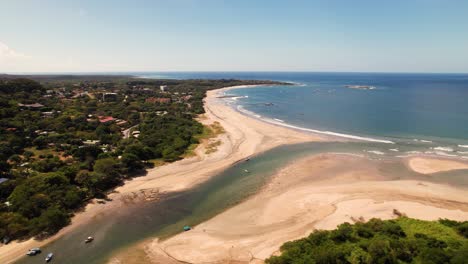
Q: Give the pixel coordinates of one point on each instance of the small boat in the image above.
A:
(33, 251)
(246, 171)
(89, 239)
(49, 257)
(187, 228)
(248, 159)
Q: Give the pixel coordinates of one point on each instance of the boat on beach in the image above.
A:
(34, 251)
(89, 239)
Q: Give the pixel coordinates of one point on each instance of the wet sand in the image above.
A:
(426, 165)
(318, 192)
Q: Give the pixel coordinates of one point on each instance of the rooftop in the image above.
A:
(2, 180)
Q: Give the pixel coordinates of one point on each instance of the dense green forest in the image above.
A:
(66, 140)
(403, 240)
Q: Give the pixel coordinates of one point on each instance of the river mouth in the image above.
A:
(163, 218)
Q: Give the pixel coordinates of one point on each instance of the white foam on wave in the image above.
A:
(241, 109)
(376, 152)
(279, 120)
(348, 154)
(440, 153)
(394, 150)
(422, 140)
(462, 152)
(296, 83)
(463, 146)
(330, 133)
(235, 98)
(413, 152)
(448, 149)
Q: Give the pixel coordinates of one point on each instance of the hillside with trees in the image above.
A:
(67, 140)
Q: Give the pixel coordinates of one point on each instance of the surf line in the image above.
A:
(241, 109)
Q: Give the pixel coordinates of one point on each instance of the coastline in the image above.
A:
(243, 138)
(316, 192)
(279, 212)
(246, 136)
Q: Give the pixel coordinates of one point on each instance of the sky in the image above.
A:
(234, 35)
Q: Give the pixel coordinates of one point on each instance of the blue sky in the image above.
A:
(237, 35)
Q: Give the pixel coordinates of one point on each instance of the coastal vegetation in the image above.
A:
(67, 140)
(403, 240)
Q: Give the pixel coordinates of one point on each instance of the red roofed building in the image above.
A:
(105, 119)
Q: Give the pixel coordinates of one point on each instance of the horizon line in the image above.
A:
(206, 71)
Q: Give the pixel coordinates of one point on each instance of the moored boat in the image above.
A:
(89, 239)
(49, 257)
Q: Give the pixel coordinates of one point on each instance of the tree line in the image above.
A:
(49, 168)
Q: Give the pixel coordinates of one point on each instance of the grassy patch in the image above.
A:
(212, 147)
(190, 152)
(157, 162)
(42, 152)
(430, 228)
(209, 132)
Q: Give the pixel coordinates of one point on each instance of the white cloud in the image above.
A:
(9, 53)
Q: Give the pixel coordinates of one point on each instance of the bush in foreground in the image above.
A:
(403, 240)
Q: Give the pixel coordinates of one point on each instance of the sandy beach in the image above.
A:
(318, 192)
(425, 165)
(243, 137)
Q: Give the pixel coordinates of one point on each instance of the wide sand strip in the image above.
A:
(317, 192)
(243, 137)
(432, 165)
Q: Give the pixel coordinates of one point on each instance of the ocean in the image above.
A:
(420, 113)
(404, 114)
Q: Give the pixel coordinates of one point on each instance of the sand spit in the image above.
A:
(432, 165)
(317, 192)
